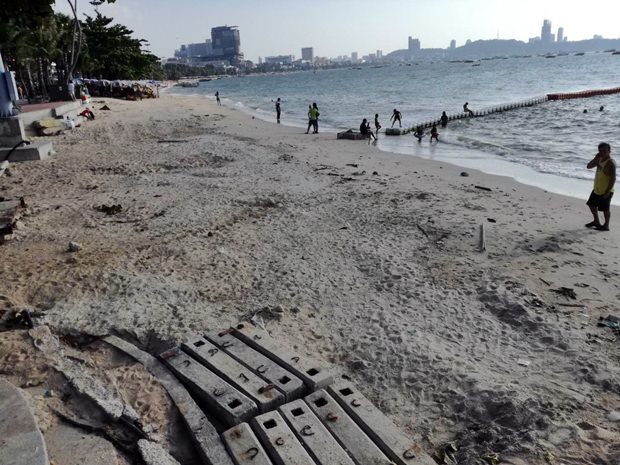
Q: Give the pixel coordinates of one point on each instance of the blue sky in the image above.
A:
(339, 27)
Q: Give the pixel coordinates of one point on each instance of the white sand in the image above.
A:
(379, 274)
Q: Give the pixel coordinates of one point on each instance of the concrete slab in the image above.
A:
(153, 454)
(11, 131)
(35, 151)
(393, 443)
(317, 440)
(244, 446)
(315, 375)
(266, 395)
(280, 441)
(290, 385)
(21, 441)
(345, 430)
(9, 211)
(228, 405)
(67, 445)
(66, 108)
(206, 437)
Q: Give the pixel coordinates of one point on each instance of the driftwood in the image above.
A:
(483, 240)
(483, 188)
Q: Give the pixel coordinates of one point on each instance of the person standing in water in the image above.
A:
(419, 133)
(396, 116)
(217, 97)
(278, 110)
(434, 133)
(314, 117)
(377, 125)
(444, 119)
(604, 182)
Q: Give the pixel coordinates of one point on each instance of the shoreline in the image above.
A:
(363, 259)
(477, 160)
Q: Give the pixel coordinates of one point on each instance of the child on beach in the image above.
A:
(278, 109)
(377, 125)
(419, 133)
(434, 133)
(217, 97)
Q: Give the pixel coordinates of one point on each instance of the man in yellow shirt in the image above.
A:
(604, 182)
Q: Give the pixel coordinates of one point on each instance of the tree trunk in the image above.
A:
(30, 81)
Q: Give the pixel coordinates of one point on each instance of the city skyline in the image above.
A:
(276, 29)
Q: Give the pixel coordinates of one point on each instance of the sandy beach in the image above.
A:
(364, 259)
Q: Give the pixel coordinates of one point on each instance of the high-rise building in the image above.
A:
(280, 60)
(354, 57)
(201, 49)
(545, 32)
(307, 54)
(452, 44)
(560, 34)
(226, 43)
(379, 53)
(414, 44)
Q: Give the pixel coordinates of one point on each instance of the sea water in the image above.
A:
(547, 145)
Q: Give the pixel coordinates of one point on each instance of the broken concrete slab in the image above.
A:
(393, 443)
(290, 385)
(68, 445)
(206, 437)
(345, 430)
(314, 374)
(279, 441)
(229, 405)
(21, 441)
(154, 454)
(244, 446)
(9, 212)
(319, 442)
(32, 152)
(265, 395)
(11, 131)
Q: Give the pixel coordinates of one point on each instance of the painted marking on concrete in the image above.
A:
(393, 443)
(266, 395)
(228, 404)
(279, 441)
(319, 442)
(206, 438)
(292, 387)
(244, 446)
(347, 433)
(315, 375)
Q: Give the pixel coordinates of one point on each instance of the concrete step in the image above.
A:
(225, 402)
(244, 446)
(21, 441)
(317, 440)
(348, 434)
(265, 395)
(393, 443)
(279, 441)
(314, 374)
(290, 385)
(35, 151)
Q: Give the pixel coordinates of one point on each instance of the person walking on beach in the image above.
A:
(217, 97)
(467, 110)
(313, 118)
(71, 90)
(604, 182)
(444, 119)
(377, 125)
(396, 116)
(434, 133)
(278, 109)
(365, 130)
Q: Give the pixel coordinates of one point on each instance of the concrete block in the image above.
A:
(244, 446)
(393, 443)
(350, 135)
(227, 404)
(290, 385)
(153, 454)
(204, 434)
(36, 151)
(267, 396)
(345, 430)
(280, 441)
(21, 441)
(315, 375)
(67, 108)
(319, 442)
(11, 131)
(68, 445)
